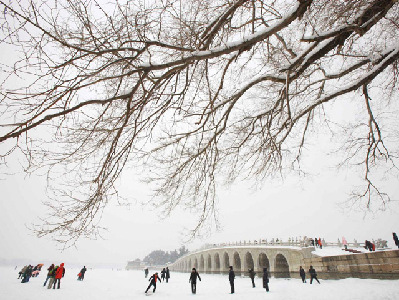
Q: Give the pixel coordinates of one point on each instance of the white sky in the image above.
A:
(294, 207)
(297, 206)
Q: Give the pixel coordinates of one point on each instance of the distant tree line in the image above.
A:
(160, 257)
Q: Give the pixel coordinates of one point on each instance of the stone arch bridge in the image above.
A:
(280, 260)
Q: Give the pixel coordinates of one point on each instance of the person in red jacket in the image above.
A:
(154, 278)
(59, 273)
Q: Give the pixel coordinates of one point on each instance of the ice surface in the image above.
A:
(122, 285)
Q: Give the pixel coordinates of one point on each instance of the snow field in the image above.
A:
(102, 284)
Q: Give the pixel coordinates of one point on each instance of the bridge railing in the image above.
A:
(304, 242)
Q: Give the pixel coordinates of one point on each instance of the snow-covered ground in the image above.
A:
(123, 285)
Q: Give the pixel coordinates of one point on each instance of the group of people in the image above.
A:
(312, 272)
(165, 274)
(251, 274)
(194, 275)
(54, 274)
(317, 242)
(29, 271)
(369, 245)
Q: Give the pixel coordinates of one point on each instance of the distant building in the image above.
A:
(135, 265)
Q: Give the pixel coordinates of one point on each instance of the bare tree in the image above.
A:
(195, 91)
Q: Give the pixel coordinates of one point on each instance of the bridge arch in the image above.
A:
(217, 262)
(226, 261)
(209, 263)
(237, 261)
(249, 261)
(281, 267)
(263, 262)
(202, 263)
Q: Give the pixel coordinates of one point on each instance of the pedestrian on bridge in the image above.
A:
(395, 238)
(232, 276)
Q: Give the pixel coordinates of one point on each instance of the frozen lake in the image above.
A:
(122, 285)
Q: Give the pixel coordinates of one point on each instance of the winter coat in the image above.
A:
(83, 271)
(193, 277)
(251, 274)
(312, 272)
(395, 238)
(59, 273)
(50, 270)
(167, 273)
(28, 271)
(265, 279)
(163, 273)
(302, 272)
(153, 278)
(231, 275)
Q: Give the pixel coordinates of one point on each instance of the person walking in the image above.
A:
(52, 277)
(153, 282)
(145, 272)
(59, 273)
(232, 276)
(163, 272)
(313, 274)
(82, 273)
(21, 273)
(27, 274)
(193, 280)
(50, 271)
(302, 274)
(252, 276)
(167, 274)
(265, 279)
(395, 238)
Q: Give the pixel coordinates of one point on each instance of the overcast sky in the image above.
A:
(313, 205)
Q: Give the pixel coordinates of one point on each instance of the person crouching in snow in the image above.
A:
(59, 273)
(154, 278)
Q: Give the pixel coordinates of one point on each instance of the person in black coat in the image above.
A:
(232, 276)
(302, 274)
(27, 274)
(252, 276)
(146, 272)
(82, 273)
(154, 278)
(395, 238)
(193, 279)
(265, 279)
(163, 272)
(167, 274)
(313, 274)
